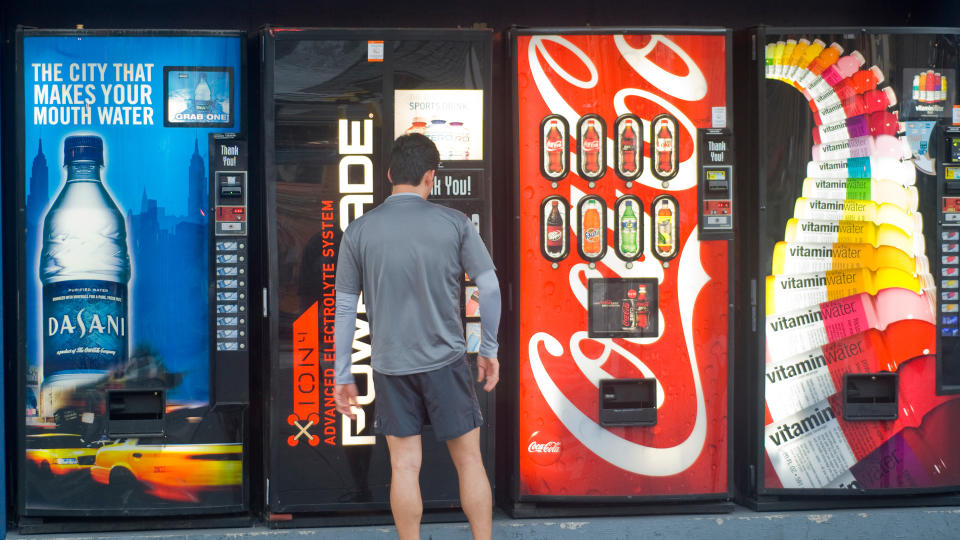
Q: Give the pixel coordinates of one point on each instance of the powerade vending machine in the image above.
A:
(850, 300)
(132, 358)
(622, 296)
(334, 101)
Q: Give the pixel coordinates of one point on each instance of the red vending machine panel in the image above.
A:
(623, 290)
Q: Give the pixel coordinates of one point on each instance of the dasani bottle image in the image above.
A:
(84, 269)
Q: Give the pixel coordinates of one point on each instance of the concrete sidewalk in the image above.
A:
(861, 524)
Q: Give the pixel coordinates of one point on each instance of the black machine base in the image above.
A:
(768, 503)
(42, 525)
(519, 510)
(360, 518)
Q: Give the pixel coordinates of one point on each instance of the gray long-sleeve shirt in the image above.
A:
(407, 256)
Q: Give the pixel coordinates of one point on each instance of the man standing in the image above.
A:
(408, 256)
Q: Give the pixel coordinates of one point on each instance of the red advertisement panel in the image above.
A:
(587, 315)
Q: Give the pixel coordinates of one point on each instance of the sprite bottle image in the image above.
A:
(84, 269)
(629, 234)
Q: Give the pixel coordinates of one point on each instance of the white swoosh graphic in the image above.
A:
(617, 451)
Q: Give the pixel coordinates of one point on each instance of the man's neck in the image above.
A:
(406, 188)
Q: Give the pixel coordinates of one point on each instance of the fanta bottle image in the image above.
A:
(592, 228)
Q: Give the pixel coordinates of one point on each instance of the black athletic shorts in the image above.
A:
(444, 398)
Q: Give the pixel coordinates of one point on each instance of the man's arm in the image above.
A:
(348, 288)
(343, 331)
(488, 290)
(345, 389)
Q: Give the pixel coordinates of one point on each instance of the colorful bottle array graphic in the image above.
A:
(850, 289)
(452, 138)
(929, 87)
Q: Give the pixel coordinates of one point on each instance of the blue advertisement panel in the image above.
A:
(117, 313)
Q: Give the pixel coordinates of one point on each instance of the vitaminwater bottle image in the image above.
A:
(592, 230)
(629, 232)
(84, 269)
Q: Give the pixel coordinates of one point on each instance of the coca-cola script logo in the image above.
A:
(544, 448)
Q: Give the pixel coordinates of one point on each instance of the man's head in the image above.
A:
(413, 156)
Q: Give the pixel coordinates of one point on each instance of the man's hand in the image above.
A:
(489, 369)
(346, 397)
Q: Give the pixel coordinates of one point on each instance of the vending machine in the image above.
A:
(333, 101)
(132, 365)
(622, 294)
(851, 368)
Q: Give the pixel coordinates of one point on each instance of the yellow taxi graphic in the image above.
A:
(60, 453)
(176, 472)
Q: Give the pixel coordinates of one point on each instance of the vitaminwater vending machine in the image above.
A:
(132, 354)
(622, 294)
(849, 302)
(334, 101)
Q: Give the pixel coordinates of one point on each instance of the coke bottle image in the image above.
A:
(629, 232)
(554, 147)
(84, 269)
(664, 134)
(591, 149)
(641, 308)
(592, 233)
(555, 230)
(627, 164)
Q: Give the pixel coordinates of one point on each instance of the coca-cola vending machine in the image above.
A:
(334, 100)
(850, 372)
(622, 294)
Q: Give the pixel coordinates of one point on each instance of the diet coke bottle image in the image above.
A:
(628, 154)
(593, 135)
(665, 157)
(554, 147)
(628, 310)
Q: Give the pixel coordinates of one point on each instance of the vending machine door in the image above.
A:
(622, 295)
(334, 101)
(854, 273)
(120, 392)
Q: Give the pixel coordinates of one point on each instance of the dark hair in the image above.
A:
(413, 155)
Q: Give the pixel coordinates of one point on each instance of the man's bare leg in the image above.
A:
(474, 486)
(405, 502)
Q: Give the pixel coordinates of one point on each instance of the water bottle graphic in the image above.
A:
(84, 269)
